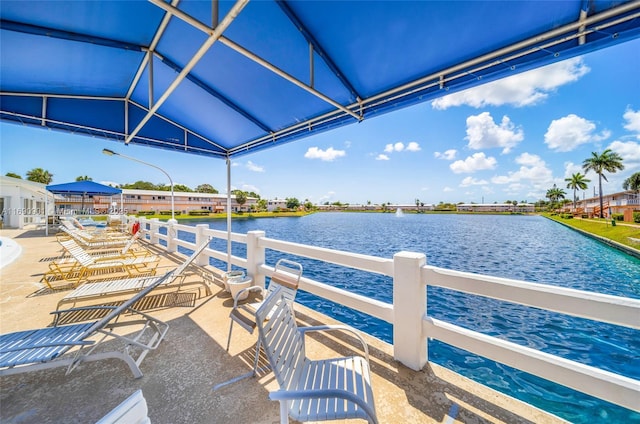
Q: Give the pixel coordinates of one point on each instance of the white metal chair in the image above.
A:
(132, 410)
(312, 390)
(286, 276)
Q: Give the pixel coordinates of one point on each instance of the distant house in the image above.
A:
(134, 201)
(624, 202)
(24, 203)
(496, 207)
(276, 204)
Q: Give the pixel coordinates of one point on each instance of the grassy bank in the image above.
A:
(620, 233)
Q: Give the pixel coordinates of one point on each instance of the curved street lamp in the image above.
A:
(112, 153)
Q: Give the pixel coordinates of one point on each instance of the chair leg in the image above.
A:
(284, 412)
(229, 338)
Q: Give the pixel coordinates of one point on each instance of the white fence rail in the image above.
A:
(410, 317)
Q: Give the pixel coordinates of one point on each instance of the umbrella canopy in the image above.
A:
(88, 188)
(222, 79)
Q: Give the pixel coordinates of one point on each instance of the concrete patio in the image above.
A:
(179, 375)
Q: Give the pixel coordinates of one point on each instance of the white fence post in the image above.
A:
(202, 259)
(154, 226)
(172, 233)
(255, 257)
(409, 307)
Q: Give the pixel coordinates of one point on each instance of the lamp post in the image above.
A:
(112, 153)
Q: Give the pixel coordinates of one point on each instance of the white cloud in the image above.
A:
(382, 156)
(633, 121)
(527, 88)
(484, 133)
(629, 150)
(249, 187)
(470, 181)
(447, 155)
(413, 147)
(569, 132)
(253, 167)
(447, 189)
(571, 168)
(326, 155)
(473, 163)
(533, 172)
(110, 183)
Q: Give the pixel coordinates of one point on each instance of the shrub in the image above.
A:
(168, 212)
(199, 212)
(146, 213)
(566, 216)
(617, 216)
(636, 217)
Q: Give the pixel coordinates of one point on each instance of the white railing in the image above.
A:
(409, 315)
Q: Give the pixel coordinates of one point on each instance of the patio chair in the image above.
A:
(102, 289)
(85, 265)
(128, 250)
(286, 276)
(73, 344)
(92, 242)
(312, 390)
(133, 410)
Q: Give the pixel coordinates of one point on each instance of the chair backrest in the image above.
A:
(79, 254)
(280, 339)
(286, 277)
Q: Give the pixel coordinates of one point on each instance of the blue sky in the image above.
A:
(506, 140)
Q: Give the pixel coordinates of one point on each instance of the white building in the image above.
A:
(24, 203)
(496, 207)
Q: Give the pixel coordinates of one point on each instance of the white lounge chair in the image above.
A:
(312, 390)
(73, 344)
(99, 290)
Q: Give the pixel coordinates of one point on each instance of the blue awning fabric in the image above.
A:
(88, 188)
(226, 78)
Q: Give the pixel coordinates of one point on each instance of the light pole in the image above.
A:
(112, 153)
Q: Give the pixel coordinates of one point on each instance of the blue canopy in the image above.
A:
(223, 78)
(88, 188)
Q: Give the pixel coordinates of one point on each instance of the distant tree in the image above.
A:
(181, 187)
(84, 178)
(632, 183)
(599, 163)
(577, 182)
(308, 205)
(261, 205)
(252, 194)
(554, 194)
(40, 175)
(241, 196)
(206, 188)
(292, 203)
(418, 205)
(12, 175)
(140, 185)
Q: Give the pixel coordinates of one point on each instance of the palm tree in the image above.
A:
(607, 161)
(39, 175)
(554, 194)
(84, 178)
(577, 181)
(632, 183)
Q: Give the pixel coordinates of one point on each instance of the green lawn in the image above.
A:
(620, 233)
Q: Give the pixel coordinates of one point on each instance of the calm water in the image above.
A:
(527, 248)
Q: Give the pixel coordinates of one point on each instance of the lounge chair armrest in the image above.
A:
(248, 289)
(284, 395)
(365, 347)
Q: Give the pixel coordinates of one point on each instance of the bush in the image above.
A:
(566, 216)
(617, 216)
(168, 212)
(146, 213)
(199, 212)
(636, 217)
